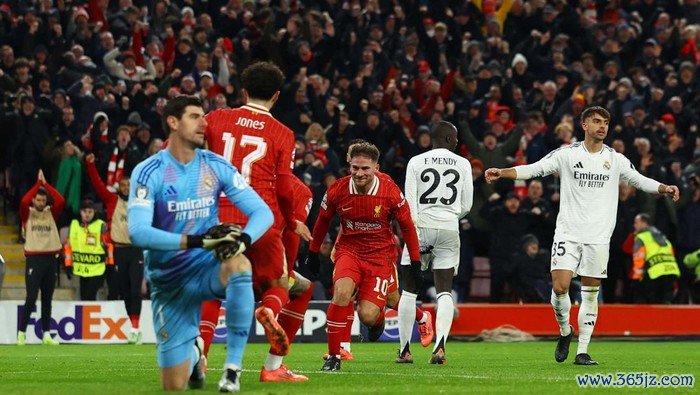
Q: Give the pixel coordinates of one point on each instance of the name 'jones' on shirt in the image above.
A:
(590, 180)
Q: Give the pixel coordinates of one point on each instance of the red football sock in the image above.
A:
(337, 321)
(347, 333)
(419, 314)
(292, 315)
(274, 298)
(207, 324)
(135, 319)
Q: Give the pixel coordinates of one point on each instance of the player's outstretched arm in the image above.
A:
(670, 190)
(494, 174)
(632, 177)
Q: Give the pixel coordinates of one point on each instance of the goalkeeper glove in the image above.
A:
(226, 240)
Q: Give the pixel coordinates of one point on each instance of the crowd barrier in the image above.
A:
(107, 322)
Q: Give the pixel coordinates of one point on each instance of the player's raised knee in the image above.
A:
(560, 289)
(236, 264)
(368, 316)
(342, 295)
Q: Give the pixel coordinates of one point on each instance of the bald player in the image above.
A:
(439, 192)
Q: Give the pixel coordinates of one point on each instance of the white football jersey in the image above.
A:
(439, 189)
(589, 189)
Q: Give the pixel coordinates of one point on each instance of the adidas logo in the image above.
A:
(170, 191)
(604, 272)
(578, 166)
(591, 323)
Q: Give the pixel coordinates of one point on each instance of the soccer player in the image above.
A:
(263, 149)
(423, 318)
(439, 191)
(365, 250)
(590, 173)
(173, 201)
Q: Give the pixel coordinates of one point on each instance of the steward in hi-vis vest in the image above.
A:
(654, 265)
(88, 251)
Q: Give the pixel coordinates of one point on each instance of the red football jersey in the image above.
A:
(366, 220)
(303, 199)
(260, 147)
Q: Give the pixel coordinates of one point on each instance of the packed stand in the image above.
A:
(92, 77)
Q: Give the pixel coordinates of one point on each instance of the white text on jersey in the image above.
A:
(249, 123)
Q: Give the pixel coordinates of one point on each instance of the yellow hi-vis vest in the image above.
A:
(660, 259)
(89, 257)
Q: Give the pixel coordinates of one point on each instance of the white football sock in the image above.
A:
(587, 316)
(443, 320)
(345, 346)
(407, 318)
(273, 362)
(423, 318)
(562, 306)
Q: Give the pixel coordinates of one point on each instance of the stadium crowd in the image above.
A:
(92, 76)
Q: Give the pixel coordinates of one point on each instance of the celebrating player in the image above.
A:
(590, 173)
(439, 191)
(173, 200)
(365, 250)
(263, 149)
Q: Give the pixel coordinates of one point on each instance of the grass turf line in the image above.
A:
(470, 368)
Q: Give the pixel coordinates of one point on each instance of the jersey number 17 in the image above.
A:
(248, 160)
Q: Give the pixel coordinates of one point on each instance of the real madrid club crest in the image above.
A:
(377, 211)
(606, 165)
(208, 182)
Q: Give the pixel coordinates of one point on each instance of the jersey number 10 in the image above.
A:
(248, 160)
(425, 177)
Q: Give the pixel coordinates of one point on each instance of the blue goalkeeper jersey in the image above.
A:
(168, 199)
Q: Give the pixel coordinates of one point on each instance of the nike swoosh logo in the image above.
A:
(344, 209)
(380, 298)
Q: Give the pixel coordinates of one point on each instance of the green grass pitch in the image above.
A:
(471, 368)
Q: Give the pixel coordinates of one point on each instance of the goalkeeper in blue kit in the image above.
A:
(172, 213)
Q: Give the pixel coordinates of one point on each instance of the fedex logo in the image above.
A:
(87, 323)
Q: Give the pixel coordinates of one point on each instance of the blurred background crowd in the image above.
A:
(92, 76)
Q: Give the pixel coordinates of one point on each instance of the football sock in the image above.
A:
(337, 321)
(208, 322)
(135, 319)
(587, 316)
(273, 362)
(346, 339)
(421, 317)
(562, 306)
(240, 305)
(443, 319)
(194, 357)
(292, 315)
(407, 318)
(275, 298)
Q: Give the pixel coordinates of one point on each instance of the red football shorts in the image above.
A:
(267, 257)
(290, 241)
(393, 282)
(371, 281)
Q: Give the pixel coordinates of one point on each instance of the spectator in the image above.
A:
(532, 271)
(510, 224)
(41, 250)
(128, 259)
